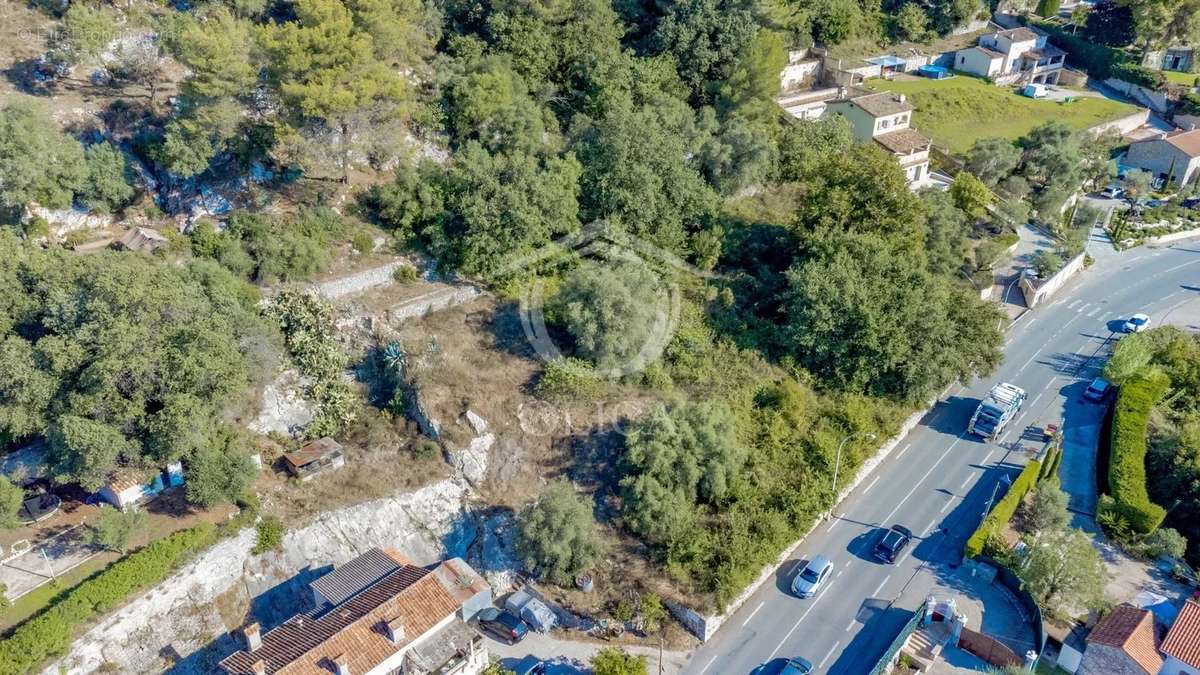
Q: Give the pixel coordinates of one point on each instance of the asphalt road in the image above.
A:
(938, 481)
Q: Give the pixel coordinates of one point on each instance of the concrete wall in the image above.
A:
(1035, 295)
(1173, 666)
(798, 75)
(862, 125)
(1125, 124)
(1069, 659)
(1155, 100)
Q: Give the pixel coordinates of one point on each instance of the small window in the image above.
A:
(883, 124)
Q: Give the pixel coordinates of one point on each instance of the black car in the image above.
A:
(504, 626)
(892, 543)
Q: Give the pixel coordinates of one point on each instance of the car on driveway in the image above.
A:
(504, 626)
(892, 543)
(1112, 192)
(809, 580)
(1098, 390)
(530, 665)
(1136, 323)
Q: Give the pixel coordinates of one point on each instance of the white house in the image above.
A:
(1014, 56)
(1174, 157)
(1181, 647)
(884, 118)
(131, 486)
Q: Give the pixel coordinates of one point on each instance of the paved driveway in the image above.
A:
(59, 555)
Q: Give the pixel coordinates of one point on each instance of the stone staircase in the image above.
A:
(925, 645)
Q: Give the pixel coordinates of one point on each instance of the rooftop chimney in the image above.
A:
(259, 667)
(253, 634)
(341, 664)
(395, 630)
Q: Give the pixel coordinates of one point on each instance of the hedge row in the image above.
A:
(1127, 466)
(50, 633)
(1102, 62)
(1004, 509)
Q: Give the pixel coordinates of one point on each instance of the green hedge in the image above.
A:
(1140, 75)
(1004, 509)
(1127, 466)
(50, 633)
(1096, 59)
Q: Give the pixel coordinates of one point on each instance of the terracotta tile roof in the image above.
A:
(1132, 631)
(1183, 640)
(460, 580)
(1187, 141)
(883, 103)
(128, 478)
(354, 576)
(356, 629)
(903, 141)
(312, 452)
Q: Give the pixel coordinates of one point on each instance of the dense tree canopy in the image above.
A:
(872, 320)
(38, 162)
(612, 311)
(556, 535)
(119, 361)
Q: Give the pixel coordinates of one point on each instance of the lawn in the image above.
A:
(958, 111)
(1176, 77)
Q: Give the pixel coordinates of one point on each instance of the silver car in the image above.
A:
(809, 580)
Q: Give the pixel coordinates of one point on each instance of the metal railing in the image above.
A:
(885, 661)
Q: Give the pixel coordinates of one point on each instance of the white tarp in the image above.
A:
(533, 611)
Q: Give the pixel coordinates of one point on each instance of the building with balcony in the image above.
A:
(884, 118)
(1014, 56)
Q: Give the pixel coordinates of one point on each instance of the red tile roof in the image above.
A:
(1183, 640)
(1132, 631)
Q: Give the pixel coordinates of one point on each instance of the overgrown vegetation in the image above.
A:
(556, 535)
(1127, 468)
(1004, 509)
(308, 332)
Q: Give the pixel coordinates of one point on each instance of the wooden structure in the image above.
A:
(324, 454)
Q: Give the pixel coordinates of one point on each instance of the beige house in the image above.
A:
(1014, 56)
(884, 118)
(1174, 157)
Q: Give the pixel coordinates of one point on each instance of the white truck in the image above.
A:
(1001, 404)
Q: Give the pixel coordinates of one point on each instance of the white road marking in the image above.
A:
(760, 606)
(1035, 399)
(946, 506)
(829, 653)
(875, 593)
(1168, 271)
(839, 573)
(710, 662)
(1105, 315)
(916, 485)
(902, 450)
(1093, 312)
(833, 521)
(1083, 307)
(872, 484)
(932, 525)
(968, 480)
(799, 621)
(1073, 303)
(1035, 355)
(850, 626)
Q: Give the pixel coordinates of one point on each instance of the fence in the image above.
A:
(889, 657)
(1123, 125)
(1035, 295)
(1009, 580)
(988, 649)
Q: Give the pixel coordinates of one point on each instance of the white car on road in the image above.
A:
(1136, 323)
(812, 576)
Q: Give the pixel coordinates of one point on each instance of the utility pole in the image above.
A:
(48, 565)
(837, 464)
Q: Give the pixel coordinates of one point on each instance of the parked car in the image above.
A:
(781, 666)
(809, 580)
(1193, 203)
(892, 544)
(503, 625)
(1136, 323)
(1112, 192)
(530, 665)
(1098, 390)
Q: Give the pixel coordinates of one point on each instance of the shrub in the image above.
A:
(567, 379)
(270, 535)
(1166, 542)
(615, 661)
(113, 528)
(426, 449)
(653, 612)
(1004, 509)
(1048, 508)
(1046, 263)
(557, 534)
(405, 274)
(1127, 467)
(363, 242)
(49, 633)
